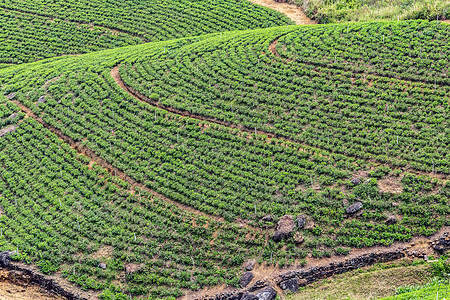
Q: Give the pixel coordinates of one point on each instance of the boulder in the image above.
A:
(250, 265)
(102, 265)
(247, 296)
(267, 294)
(286, 224)
(355, 207)
(246, 278)
(284, 227)
(289, 285)
(355, 181)
(301, 221)
(442, 244)
(391, 220)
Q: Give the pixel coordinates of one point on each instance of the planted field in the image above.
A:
(193, 149)
(369, 91)
(33, 30)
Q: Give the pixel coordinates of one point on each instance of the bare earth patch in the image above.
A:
(390, 185)
(293, 12)
(103, 252)
(10, 290)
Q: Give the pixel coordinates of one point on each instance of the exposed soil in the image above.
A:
(12, 291)
(293, 12)
(390, 185)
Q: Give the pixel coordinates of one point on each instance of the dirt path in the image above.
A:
(293, 12)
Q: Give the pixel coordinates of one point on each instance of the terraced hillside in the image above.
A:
(179, 157)
(33, 30)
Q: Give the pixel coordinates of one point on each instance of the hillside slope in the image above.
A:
(33, 30)
(177, 155)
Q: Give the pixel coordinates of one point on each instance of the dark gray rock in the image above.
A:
(442, 244)
(247, 296)
(267, 294)
(278, 237)
(5, 258)
(356, 181)
(290, 285)
(246, 278)
(355, 207)
(391, 220)
(301, 221)
(250, 265)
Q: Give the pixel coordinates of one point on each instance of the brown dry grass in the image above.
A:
(366, 283)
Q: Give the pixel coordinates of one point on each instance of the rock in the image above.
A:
(267, 218)
(250, 265)
(11, 96)
(13, 116)
(290, 285)
(395, 204)
(267, 294)
(356, 181)
(285, 226)
(7, 130)
(298, 239)
(247, 296)
(102, 266)
(391, 220)
(5, 258)
(442, 244)
(278, 237)
(246, 278)
(355, 207)
(41, 99)
(301, 221)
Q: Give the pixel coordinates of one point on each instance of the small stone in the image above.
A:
(102, 266)
(355, 181)
(298, 239)
(391, 220)
(355, 207)
(267, 218)
(246, 278)
(301, 221)
(11, 96)
(41, 99)
(250, 265)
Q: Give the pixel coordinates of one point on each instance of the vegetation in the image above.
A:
(338, 88)
(374, 282)
(330, 11)
(155, 169)
(50, 28)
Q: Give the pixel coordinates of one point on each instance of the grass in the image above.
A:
(326, 11)
(381, 280)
